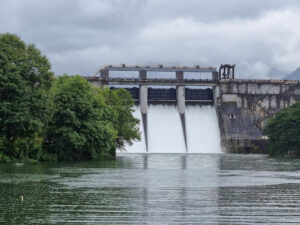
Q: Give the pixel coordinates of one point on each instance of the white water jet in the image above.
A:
(137, 146)
(165, 133)
(202, 128)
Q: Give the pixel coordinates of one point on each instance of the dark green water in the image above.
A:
(153, 189)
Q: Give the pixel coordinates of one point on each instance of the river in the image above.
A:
(153, 189)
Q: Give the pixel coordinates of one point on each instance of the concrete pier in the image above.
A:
(181, 99)
(143, 98)
(216, 95)
(180, 94)
(144, 104)
(183, 124)
(145, 127)
(144, 108)
(104, 75)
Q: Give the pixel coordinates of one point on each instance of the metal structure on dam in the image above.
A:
(243, 105)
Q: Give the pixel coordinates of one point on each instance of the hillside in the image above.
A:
(294, 75)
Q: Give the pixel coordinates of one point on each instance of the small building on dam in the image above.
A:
(242, 105)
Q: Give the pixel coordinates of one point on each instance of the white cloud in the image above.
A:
(256, 45)
(78, 36)
(95, 8)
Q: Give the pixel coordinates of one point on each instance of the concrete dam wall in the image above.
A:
(243, 107)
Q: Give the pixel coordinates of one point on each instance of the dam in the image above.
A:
(199, 109)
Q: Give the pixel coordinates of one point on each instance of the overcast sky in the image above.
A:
(78, 36)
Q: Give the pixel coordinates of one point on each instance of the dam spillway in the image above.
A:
(165, 133)
(163, 95)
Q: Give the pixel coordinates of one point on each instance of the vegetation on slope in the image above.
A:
(294, 75)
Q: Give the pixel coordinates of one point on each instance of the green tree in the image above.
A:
(25, 105)
(283, 131)
(80, 128)
(121, 104)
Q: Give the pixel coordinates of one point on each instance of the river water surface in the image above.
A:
(153, 189)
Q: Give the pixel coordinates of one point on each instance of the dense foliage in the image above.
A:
(120, 103)
(283, 131)
(25, 80)
(89, 122)
(66, 119)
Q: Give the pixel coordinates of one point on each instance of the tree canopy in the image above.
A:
(83, 126)
(65, 119)
(120, 103)
(283, 131)
(25, 80)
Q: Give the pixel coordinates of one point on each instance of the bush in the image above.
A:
(120, 104)
(283, 131)
(83, 125)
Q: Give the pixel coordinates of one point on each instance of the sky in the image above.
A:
(262, 37)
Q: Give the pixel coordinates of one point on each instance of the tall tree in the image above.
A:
(25, 105)
(80, 128)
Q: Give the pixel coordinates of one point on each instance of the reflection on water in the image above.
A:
(153, 189)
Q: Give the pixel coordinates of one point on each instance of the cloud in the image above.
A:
(78, 36)
(257, 46)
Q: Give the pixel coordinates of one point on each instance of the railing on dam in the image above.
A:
(159, 68)
(152, 81)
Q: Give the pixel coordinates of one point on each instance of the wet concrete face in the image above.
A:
(182, 118)
(145, 127)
